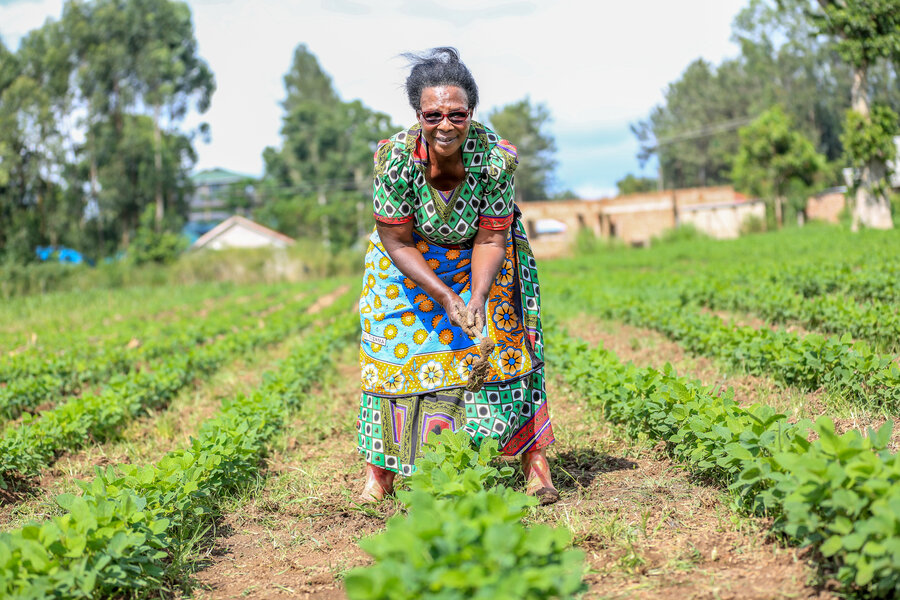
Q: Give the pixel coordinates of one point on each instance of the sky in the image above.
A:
(598, 65)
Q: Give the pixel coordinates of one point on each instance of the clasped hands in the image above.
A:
(468, 317)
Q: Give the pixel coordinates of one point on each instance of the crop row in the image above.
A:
(463, 538)
(133, 525)
(875, 322)
(878, 281)
(810, 362)
(70, 317)
(33, 444)
(80, 349)
(838, 493)
(34, 380)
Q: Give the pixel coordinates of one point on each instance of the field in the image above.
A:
(724, 411)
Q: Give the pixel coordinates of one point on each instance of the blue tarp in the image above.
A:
(60, 253)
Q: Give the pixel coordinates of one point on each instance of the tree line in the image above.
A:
(92, 152)
(94, 156)
(814, 89)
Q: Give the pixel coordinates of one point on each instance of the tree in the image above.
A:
(692, 133)
(635, 185)
(89, 112)
(867, 31)
(524, 125)
(785, 60)
(168, 71)
(145, 59)
(318, 184)
(34, 144)
(776, 162)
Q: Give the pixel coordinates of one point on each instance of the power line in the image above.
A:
(705, 131)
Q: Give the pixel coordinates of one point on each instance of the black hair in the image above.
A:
(438, 66)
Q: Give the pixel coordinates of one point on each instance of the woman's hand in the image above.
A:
(475, 315)
(460, 315)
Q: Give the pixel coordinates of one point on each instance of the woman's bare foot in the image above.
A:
(379, 483)
(537, 477)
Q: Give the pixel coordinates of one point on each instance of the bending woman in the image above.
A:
(448, 262)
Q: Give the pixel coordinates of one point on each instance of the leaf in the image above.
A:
(832, 546)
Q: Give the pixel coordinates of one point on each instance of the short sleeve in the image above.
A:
(498, 200)
(391, 198)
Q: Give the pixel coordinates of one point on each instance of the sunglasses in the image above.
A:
(433, 117)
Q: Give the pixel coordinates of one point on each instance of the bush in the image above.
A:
(752, 224)
(303, 261)
(686, 232)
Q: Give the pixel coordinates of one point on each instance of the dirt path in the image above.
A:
(297, 536)
(648, 529)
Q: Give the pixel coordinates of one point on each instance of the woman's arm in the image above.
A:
(487, 258)
(398, 243)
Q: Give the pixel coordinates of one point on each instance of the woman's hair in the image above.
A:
(438, 66)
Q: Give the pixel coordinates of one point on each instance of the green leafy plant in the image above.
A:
(125, 532)
(463, 536)
(837, 493)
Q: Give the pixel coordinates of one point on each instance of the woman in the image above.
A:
(448, 262)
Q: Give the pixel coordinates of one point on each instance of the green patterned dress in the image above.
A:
(414, 363)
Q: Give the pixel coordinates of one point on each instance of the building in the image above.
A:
(239, 232)
(210, 203)
(637, 218)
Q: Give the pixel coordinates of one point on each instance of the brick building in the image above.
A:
(636, 218)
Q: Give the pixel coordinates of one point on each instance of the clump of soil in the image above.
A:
(481, 366)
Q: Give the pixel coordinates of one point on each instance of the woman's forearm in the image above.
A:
(488, 254)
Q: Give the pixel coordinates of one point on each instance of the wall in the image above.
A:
(723, 221)
(637, 218)
(826, 207)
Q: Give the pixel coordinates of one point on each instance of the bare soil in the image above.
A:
(298, 535)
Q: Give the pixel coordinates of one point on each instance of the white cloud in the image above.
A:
(596, 64)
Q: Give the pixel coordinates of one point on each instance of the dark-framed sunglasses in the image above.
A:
(457, 117)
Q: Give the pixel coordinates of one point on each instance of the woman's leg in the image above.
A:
(379, 483)
(537, 476)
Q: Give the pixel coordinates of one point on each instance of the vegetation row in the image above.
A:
(132, 528)
(838, 494)
(27, 447)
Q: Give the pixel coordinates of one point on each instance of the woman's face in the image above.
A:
(446, 138)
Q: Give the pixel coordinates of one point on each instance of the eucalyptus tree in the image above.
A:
(168, 72)
(35, 143)
(867, 32)
(525, 125)
(318, 183)
(131, 58)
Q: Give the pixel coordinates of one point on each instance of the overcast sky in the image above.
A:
(597, 64)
